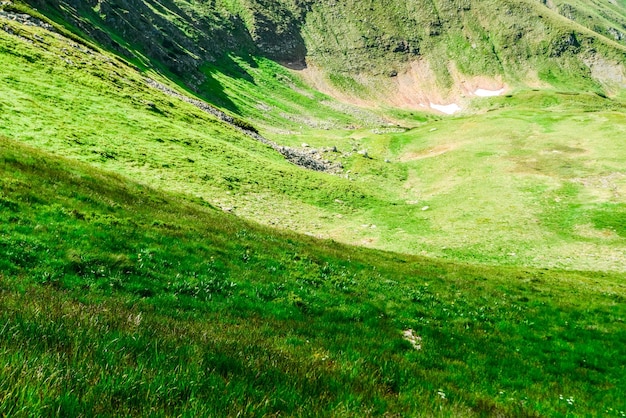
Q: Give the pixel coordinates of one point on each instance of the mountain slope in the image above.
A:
(126, 290)
(52, 87)
(436, 51)
(439, 49)
(116, 299)
(606, 18)
(419, 188)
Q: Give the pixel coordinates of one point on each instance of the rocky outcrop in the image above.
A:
(276, 30)
(25, 19)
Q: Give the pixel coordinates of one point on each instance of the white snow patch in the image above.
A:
(488, 93)
(447, 109)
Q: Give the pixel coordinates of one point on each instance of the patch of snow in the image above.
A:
(488, 93)
(447, 109)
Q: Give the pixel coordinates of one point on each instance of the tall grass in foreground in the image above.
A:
(119, 300)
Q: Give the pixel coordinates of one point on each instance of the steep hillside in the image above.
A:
(606, 18)
(162, 161)
(403, 53)
(120, 300)
(78, 102)
(556, 159)
(422, 52)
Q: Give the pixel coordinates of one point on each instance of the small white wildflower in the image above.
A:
(411, 337)
(441, 394)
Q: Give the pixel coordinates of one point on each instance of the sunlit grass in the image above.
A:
(125, 289)
(485, 188)
(117, 298)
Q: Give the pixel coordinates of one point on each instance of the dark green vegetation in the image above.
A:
(126, 290)
(606, 18)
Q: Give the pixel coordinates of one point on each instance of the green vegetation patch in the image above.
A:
(118, 299)
(613, 218)
(143, 298)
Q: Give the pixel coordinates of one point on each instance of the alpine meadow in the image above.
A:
(331, 208)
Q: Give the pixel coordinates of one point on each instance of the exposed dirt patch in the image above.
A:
(428, 153)
(569, 150)
(316, 78)
(415, 87)
(607, 187)
(589, 231)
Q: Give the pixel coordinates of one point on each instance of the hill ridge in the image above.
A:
(456, 33)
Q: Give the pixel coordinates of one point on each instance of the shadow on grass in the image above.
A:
(213, 91)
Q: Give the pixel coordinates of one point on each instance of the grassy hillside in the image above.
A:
(440, 50)
(606, 18)
(555, 158)
(370, 50)
(80, 103)
(537, 180)
(137, 277)
(117, 299)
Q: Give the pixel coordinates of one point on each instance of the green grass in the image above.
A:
(126, 291)
(117, 299)
(356, 46)
(517, 42)
(266, 92)
(519, 184)
(520, 150)
(605, 19)
(139, 132)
